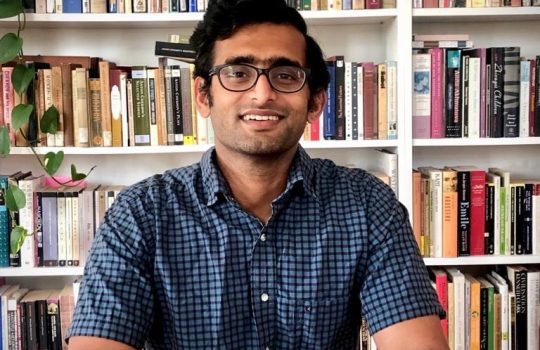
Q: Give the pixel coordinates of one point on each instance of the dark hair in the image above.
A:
(224, 17)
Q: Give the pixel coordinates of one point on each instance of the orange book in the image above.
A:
(474, 313)
(449, 209)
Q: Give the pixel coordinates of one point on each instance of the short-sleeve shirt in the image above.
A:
(178, 264)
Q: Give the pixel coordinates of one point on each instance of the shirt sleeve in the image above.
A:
(115, 299)
(396, 285)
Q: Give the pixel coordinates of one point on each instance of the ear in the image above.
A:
(317, 105)
(201, 98)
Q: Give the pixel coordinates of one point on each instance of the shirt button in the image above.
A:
(264, 297)
(263, 237)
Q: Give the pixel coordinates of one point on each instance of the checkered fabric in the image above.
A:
(178, 264)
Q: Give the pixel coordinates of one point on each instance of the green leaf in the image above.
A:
(53, 161)
(18, 234)
(49, 121)
(75, 176)
(20, 115)
(4, 141)
(15, 198)
(10, 46)
(10, 8)
(21, 77)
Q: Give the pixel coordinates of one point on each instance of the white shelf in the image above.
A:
(40, 271)
(502, 141)
(488, 14)
(192, 149)
(184, 19)
(484, 260)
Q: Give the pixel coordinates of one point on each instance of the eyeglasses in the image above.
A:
(242, 77)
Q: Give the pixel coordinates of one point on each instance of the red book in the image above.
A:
(437, 92)
(441, 287)
(477, 207)
(369, 100)
(373, 4)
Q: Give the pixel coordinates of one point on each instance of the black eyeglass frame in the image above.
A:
(260, 71)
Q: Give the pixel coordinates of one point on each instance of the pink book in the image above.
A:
(373, 4)
(437, 92)
(315, 130)
(532, 97)
(8, 100)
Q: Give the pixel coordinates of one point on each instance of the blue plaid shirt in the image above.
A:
(178, 264)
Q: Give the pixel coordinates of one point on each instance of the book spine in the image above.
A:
(177, 118)
(437, 93)
(453, 94)
(511, 92)
(370, 110)
(141, 111)
(524, 78)
(340, 98)
(477, 211)
(330, 109)
(497, 89)
(464, 223)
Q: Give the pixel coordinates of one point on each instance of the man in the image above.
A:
(257, 246)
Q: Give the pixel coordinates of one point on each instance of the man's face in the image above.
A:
(261, 120)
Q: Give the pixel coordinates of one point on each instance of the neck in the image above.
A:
(255, 181)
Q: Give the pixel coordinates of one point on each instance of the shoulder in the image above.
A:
(331, 177)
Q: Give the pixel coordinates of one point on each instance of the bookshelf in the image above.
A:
(374, 35)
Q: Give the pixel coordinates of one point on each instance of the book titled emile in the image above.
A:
(179, 51)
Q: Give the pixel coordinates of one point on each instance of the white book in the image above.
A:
(26, 220)
(458, 280)
(502, 288)
(474, 97)
(524, 90)
(391, 90)
(348, 101)
(360, 100)
(151, 76)
(69, 227)
(76, 227)
(4, 311)
(496, 181)
(61, 227)
(14, 329)
(387, 162)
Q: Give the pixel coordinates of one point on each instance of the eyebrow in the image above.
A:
(269, 62)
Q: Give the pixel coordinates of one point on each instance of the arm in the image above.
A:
(422, 333)
(83, 343)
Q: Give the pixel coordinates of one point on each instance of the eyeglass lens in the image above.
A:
(243, 77)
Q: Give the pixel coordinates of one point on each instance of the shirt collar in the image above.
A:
(301, 174)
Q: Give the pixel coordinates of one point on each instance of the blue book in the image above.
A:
(329, 114)
(4, 223)
(192, 5)
(72, 6)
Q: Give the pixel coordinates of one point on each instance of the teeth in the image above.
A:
(260, 117)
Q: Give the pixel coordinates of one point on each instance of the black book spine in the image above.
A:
(511, 92)
(178, 122)
(464, 213)
(489, 243)
(519, 239)
(496, 57)
(42, 324)
(527, 218)
(340, 98)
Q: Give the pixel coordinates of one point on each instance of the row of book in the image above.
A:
(466, 210)
(475, 93)
(497, 310)
(62, 221)
(36, 318)
(473, 3)
(171, 6)
(362, 101)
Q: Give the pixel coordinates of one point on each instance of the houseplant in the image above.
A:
(11, 51)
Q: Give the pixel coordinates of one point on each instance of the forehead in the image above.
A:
(264, 42)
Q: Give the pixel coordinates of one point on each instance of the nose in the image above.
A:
(262, 91)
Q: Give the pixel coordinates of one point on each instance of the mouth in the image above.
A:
(258, 117)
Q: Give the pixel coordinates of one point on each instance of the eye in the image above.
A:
(287, 74)
(237, 72)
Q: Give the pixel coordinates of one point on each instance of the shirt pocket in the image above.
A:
(323, 321)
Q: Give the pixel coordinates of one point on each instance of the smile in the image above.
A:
(260, 117)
